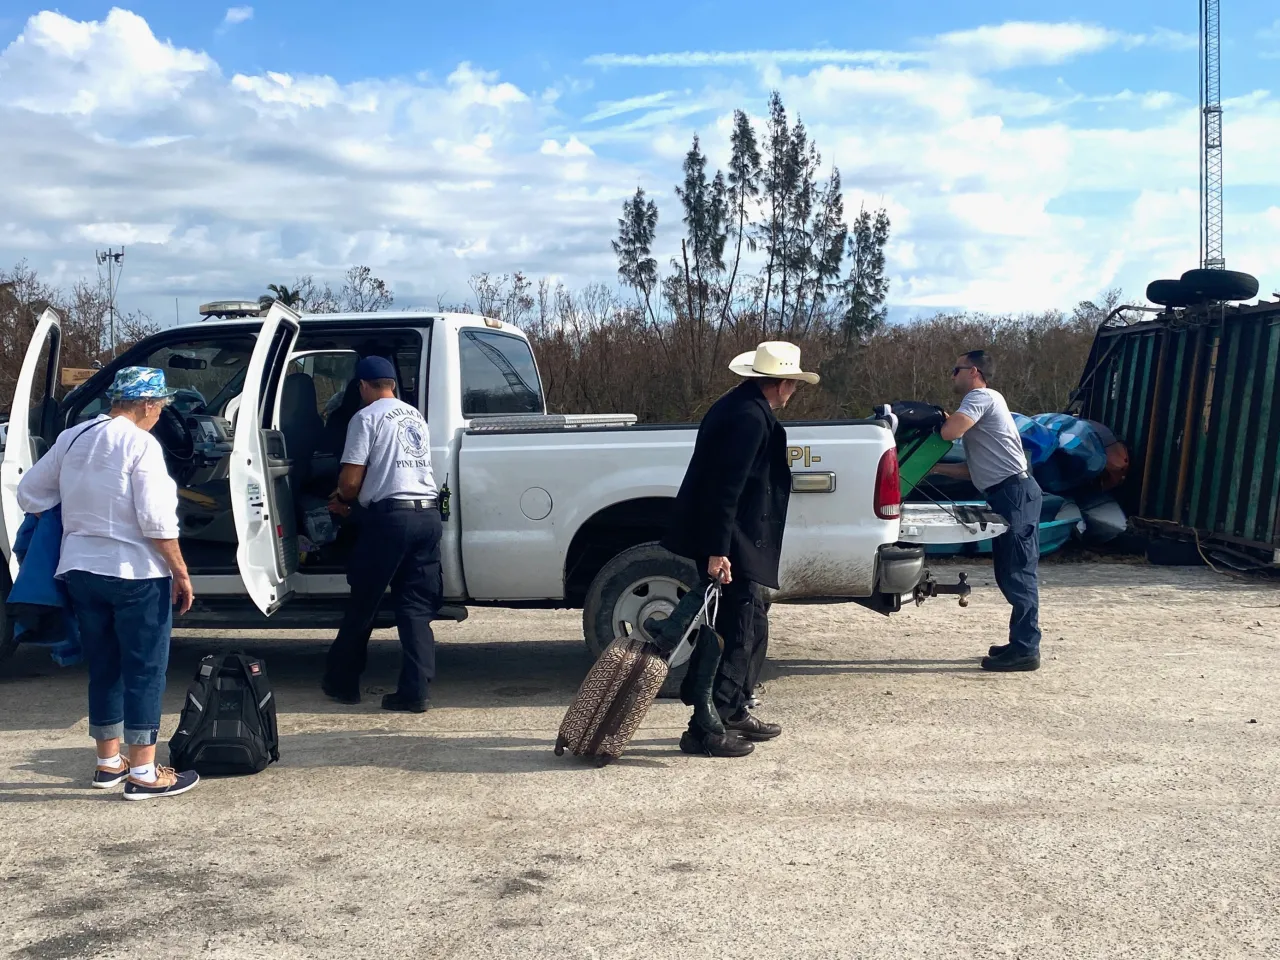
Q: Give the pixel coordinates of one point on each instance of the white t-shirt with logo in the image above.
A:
(389, 438)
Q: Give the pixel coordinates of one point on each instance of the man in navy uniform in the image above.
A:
(386, 468)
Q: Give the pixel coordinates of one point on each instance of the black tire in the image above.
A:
(628, 567)
(1169, 293)
(7, 642)
(1219, 285)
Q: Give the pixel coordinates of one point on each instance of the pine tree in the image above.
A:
(866, 287)
(774, 179)
(636, 229)
(802, 160)
(705, 213)
(826, 250)
(743, 189)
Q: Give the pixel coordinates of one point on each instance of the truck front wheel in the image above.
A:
(640, 582)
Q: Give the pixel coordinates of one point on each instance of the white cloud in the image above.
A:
(237, 15)
(1017, 44)
(745, 58)
(573, 147)
(992, 47)
(281, 88)
(615, 108)
(1002, 197)
(64, 66)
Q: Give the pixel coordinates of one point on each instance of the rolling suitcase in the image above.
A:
(619, 689)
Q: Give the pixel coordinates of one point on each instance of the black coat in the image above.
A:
(733, 500)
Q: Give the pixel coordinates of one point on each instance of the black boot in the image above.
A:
(699, 681)
(666, 633)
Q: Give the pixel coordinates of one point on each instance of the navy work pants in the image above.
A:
(399, 549)
(1017, 557)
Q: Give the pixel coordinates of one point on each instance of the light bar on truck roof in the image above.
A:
(230, 309)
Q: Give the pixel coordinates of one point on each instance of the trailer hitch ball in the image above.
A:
(931, 588)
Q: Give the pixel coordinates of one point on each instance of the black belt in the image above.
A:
(386, 506)
(1020, 475)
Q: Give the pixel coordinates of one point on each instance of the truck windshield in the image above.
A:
(498, 375)
(204, 375)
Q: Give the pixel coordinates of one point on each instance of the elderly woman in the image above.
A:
(123, 570)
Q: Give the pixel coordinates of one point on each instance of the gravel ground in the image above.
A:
(1122, 802)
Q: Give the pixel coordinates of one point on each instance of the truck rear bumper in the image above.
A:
(901, 571)
(899, 567)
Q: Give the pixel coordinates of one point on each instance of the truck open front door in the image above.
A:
(29, 422)
(261, 499)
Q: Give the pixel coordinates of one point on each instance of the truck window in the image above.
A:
(498, 375)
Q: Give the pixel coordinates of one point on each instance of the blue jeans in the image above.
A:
(1017, 557)
(124, 632)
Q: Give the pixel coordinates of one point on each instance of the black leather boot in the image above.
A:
(666, 633)
(699, 681)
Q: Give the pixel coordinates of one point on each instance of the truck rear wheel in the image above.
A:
(640, 582)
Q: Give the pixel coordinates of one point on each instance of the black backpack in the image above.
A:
(228, 721)
(918, 415)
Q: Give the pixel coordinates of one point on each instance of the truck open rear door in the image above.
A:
(261, 499)
(30, 417)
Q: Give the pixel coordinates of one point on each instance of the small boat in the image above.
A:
(1060, 520)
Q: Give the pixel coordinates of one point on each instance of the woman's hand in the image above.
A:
(183, 594)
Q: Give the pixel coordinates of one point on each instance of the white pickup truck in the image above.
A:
(546, 510)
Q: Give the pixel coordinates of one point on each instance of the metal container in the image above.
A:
(1196, 397)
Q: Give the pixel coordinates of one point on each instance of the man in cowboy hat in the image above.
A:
(728, 518)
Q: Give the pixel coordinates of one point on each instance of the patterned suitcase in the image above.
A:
(612, 701)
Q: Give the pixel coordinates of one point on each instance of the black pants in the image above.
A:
(399, 549)
(743, 623)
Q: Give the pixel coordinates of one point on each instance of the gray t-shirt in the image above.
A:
(992, 446)
(389, 438)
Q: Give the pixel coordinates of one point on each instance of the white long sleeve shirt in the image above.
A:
(116, 496)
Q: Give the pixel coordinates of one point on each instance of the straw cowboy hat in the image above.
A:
(774, 358)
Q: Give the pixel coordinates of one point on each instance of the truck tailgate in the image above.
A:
(966, 522)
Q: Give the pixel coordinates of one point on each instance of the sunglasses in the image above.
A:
(956, 370)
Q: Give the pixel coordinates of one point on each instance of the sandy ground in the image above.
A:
(1122, 802)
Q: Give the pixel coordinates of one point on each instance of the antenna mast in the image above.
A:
(1211, 257)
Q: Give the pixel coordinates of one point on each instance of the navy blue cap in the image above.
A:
(375, 368)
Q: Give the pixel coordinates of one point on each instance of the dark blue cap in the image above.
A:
(375, 368)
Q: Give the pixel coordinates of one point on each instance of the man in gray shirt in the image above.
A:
(997, 465)
(386, 468)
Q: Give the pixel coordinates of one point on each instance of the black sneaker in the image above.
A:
(1012, 663)
(168, 783)
(104, 779)
(997, 649)
(347, 695)
(393, 701)
(715, 745)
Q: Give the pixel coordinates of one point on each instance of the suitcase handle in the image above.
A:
(708, 614)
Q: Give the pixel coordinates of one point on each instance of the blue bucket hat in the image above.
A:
(139, 383)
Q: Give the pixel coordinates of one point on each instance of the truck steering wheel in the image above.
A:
(175, 435)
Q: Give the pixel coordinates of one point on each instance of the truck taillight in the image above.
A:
(888, 500)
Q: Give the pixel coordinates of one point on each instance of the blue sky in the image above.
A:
(1031, 154)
